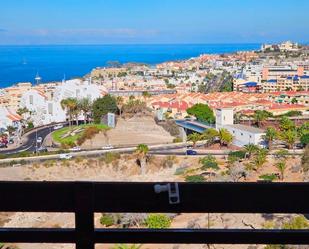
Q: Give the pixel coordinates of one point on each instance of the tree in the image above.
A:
(85, 106)
(102, 106)
(202, 112)
(225, 137)
(286, 124)
(10, 129)
(294, 101)
(303, 129)
(260, 116)
(21, 111)
(146, 94)
(194, 138)
(260, 158)
(305, 160)
(210, 135)
(69, 105)
(251, 149)
(304, 139)
(119, 102)
(142, 151)
(289, 137)
(281, 166)
(270, 136)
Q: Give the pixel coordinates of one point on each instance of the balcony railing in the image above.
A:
(85, 198)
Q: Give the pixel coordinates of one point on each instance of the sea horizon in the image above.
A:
(21, 63)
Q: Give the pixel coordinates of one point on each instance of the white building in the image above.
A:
(9, 118)
(46, 111)
(242, 134)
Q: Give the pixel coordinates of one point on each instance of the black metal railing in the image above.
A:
(85, 198)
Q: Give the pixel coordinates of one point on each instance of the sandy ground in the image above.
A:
(126, 169)
(131, 131)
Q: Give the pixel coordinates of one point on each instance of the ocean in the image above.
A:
(54, 62)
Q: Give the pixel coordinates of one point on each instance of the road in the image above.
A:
(30, 140)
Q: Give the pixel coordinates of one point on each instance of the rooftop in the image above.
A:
(247, 128)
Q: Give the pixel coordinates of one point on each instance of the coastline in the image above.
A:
(20, 63)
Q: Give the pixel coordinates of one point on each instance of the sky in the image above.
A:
(33, 22)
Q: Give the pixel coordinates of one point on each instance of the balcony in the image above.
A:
(85, 198)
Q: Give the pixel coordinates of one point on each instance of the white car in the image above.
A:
(57, 127)
(107, 147)
(65, 156)
(39, 140)
(76, 148)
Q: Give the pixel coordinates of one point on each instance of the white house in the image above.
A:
(242, 134)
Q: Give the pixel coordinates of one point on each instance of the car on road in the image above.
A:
(57, 127)
(39, 140)
(76, 148)
(191, 152)
(40, 149)
(3, 145)
(108, 147)
(65, 156)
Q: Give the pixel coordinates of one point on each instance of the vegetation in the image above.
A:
(158, 221)
(195, 178)
(209, 162)
(210, 135)
(304, 139)
(123, 246)
(194, 138)
(225, 137)
(260, 116)
(70, 105)
(251, 149)
(270, 136)
(107, 220)
(286, 124)
(268, 177)
(202, 113)
(260, 158)
(281, 166)
(134, 106)
(289, 137)
(70, 136)
(305, 160)
(102, 106)
(88, 133)
(142, 151)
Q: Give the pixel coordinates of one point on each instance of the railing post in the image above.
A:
(84, 216)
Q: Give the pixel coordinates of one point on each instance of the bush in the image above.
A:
(195, 178)
(89, 133)
(107, 220)
(239, 154)
(110, 157)
(127, 247)
(209, 162)
(159, 221)
(268, 177)
(299, 222)
(177, 140)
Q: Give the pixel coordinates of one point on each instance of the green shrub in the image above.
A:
(127, 247)
(299, 222)
(209, 162)
(159, 221)
(195, 178)
(107, 220)
(110, 157)
(177, 140)
(180, 171)
(268, 177)
(239, 154)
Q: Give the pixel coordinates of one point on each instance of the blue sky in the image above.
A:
(152, 21)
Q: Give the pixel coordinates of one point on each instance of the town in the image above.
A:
(235, 117)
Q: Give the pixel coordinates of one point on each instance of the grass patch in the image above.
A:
(69, 135)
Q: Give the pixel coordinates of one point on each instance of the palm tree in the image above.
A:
(289, 137)
(281, 166)
(69, 105)
(142, 151)
(259, 117)
(119, 102)
(260, 158)
(85, 105)
(286, 124)
(10, 129)
(270, 136)
(225, 137)
(210, 135)
(251, 149)
(194, 138)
